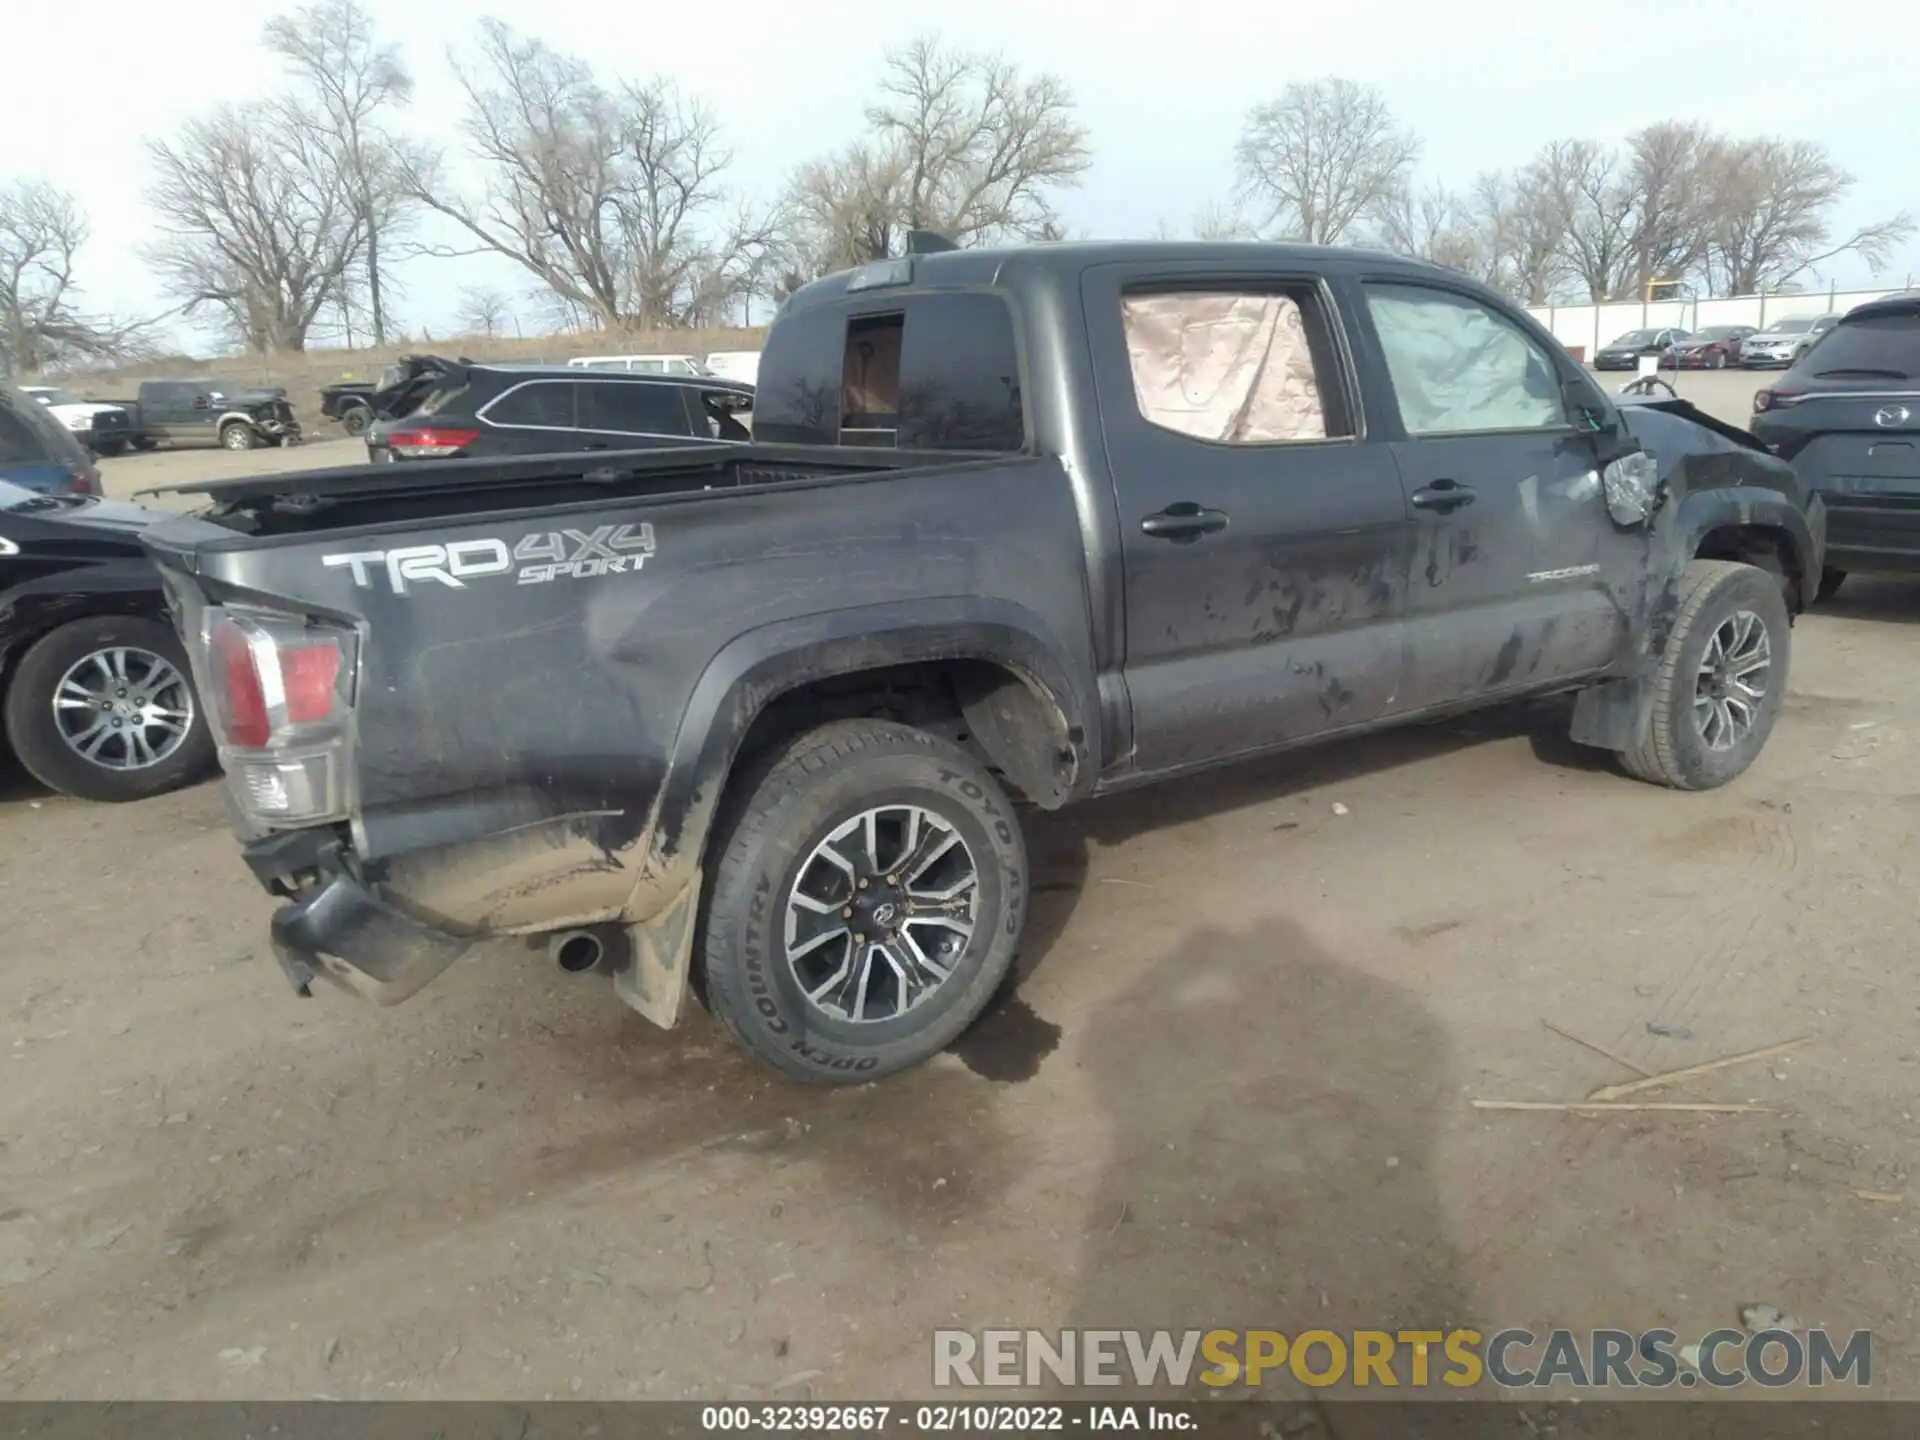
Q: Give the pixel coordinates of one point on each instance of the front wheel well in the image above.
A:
(1765, 548)
(1002, 717)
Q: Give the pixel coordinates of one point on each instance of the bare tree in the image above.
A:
(1438, 225)
(258, 219)
(963, 144)
(612, 198)
(484, 310)
(352, 80)
(41, 232)
(1772, 204)
(1323, 156)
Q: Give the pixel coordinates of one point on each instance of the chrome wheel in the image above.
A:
(123, 708)
(1732, 680)
(880, 912)
(237, 437)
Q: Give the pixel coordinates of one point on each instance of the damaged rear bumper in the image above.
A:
(342, 931)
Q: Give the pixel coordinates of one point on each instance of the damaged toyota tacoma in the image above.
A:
(1017, 527)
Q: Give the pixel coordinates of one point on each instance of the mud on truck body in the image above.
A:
(1018, 528)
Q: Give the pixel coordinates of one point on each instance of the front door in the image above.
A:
(1263, 540)
(1512, 540)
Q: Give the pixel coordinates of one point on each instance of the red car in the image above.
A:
(1714, 348)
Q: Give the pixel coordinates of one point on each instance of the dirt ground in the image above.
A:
(1231, 1090)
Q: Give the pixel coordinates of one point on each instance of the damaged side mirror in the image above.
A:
(1632, 487)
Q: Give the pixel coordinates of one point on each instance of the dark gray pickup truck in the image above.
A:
(1017, 527)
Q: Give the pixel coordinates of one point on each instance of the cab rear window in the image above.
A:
(913, 372)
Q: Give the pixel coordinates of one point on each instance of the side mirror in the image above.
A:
(1632, 487)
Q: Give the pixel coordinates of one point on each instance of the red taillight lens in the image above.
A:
(430, 440)
(308, 672)
(276, 679)
(81, 483)
(245, 697)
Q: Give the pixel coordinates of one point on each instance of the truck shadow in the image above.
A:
(1268, 1114)
(1058, 842)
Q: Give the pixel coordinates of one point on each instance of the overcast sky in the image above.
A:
(1163, 87)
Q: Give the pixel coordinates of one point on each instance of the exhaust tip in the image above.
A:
(576, 951)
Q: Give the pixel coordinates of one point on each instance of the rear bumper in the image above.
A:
(340, 930)
(1873, 531)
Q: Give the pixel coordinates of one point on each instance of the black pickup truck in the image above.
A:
(210, 412)
(1017, 527)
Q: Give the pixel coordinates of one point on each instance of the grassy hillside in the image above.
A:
(302, 374)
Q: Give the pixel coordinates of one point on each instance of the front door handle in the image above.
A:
(1442, 495)
(1184, 521)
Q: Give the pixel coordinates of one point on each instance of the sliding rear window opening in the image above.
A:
(926, 372)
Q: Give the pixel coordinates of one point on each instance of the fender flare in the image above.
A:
(1721, 507)
(755, 669)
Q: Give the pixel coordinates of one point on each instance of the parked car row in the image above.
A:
(1717, 346)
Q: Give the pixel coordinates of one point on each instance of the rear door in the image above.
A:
(632, 415)
(1850, 412)
(1506, 593)
(1264, 539)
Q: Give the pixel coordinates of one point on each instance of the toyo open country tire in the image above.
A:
(1721, 680)
(856, 801)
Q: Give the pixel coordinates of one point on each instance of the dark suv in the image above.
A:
(1847, 414)
(432, 408)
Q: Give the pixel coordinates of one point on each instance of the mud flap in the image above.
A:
(1612, 715)
(655, 980)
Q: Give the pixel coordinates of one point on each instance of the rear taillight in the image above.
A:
(81, 483)
(280, 694)
(427, 442)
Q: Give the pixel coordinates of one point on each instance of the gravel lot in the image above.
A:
(1232, 1090)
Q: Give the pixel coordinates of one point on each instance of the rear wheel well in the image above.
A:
(985, 708)
(1763, 547)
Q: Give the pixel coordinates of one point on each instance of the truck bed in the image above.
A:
(346, 496)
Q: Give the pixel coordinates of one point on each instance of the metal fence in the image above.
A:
(1585, 328)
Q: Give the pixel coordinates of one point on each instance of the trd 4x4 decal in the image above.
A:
(538, 558)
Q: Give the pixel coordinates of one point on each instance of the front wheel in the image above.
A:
(103, 709)
(356, 420)
(867, 901)
(109, 447)
(1720, 681)
(144, 442)
(237, 436)
(1718, 362)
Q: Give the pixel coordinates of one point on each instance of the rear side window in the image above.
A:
(1877, 347)
(632, 409)
(1231, 366)
(545, 405)
(932, 372)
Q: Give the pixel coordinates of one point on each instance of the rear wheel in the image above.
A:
(143, 442)
(1720, 681)
(866, 903)
(103, 709)
(237, 435)
(356, 419)
(1830, 581)
(109, 447)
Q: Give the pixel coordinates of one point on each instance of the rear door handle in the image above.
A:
(1184, 521)
(1442, 495)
